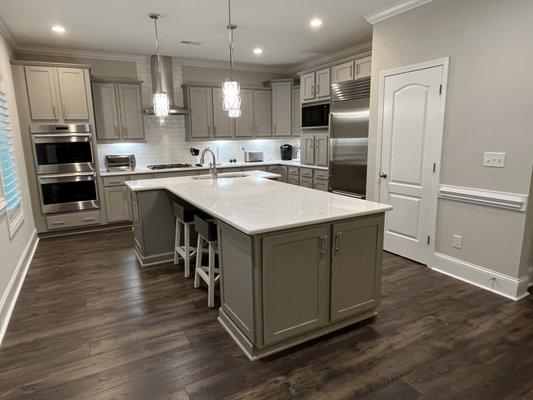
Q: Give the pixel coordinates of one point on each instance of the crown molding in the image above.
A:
(395, 9)
(101, 55)
(198, 62)
(361, 50)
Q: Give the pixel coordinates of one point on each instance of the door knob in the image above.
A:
(382, 175)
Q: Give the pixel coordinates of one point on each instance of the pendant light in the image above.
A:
(161, 100)
(230, 87)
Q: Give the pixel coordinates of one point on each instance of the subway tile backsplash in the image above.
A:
(166, 144)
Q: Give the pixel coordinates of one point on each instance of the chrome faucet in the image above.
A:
(212, 165)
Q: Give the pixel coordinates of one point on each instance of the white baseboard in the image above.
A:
(9, 298)
(504, 285)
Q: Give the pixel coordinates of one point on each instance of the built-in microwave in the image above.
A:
(315, 116)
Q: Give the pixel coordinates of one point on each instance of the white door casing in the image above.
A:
(411, 124)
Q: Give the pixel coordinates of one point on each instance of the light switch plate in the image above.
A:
(494, 159)
(457, 241)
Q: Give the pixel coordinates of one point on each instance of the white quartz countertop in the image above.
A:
(146, 170)
(256, 204)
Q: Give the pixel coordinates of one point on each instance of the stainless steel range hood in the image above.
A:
(164, 83)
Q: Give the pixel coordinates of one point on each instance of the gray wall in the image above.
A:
(489, 108)
(11, 249)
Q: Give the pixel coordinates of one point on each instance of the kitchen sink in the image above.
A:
(222, 176)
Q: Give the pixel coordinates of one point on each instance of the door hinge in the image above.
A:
(440, 89)
(428, 239)
(434, 167)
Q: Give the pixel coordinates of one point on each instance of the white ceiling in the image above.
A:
(280, 27)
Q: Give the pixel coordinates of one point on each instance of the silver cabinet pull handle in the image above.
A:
(54, 110)
(324, 238)
(89, 219)
(337, 242)
(382, 175)
(64, 112)
(59, 223)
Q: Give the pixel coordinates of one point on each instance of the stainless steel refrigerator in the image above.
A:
(348, 132)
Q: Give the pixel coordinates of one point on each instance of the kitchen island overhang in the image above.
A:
(296, 263)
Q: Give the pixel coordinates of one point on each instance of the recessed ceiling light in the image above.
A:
(258, 51)
(316, 23)
(58, 29)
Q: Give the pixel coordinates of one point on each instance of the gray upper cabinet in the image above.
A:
(222, 124)
(296, 112)
(201, 117)
(73, 93)
(281, 108)
(106, 111)
(130, 111)
(245, 125)
(355, 278)
(118, 111)
(307, 87)
(322, 84)
(307, 253)
(342, 72)
(40, 82)
(263, 113)
(363, 67)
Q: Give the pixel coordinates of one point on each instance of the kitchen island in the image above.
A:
(297, 263)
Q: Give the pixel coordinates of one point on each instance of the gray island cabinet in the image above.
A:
(296, 263)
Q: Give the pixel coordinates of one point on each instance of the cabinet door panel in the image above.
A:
(356, 264)
(322, 89)
(73, 94)
(106, 111)
(244, 125)
(201, 104)
(117, 204)
(306, 182)
(364, 67)
(222, 124)
(263, 113)
(320, 184)
(307, 86)
(41, 93)
(131, 111)
(307, 149)
(296, 113)
(343, 72)
(293, 180)
(321, 149)
(295, 283)
(281, 108)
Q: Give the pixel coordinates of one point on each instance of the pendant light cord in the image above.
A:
(158, 56)
(231, 47)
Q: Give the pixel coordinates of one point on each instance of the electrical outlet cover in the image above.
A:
(494, 159)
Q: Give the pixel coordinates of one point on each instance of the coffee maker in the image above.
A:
(286, 152)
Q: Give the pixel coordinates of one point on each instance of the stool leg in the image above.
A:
(187, 246)
(211, 285)
(198, 262)
(177, 239)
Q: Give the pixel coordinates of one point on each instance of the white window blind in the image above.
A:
(8, 167)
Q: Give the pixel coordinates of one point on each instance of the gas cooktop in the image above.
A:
(167, 166)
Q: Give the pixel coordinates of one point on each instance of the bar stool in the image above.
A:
(210, 274)
(184, 214)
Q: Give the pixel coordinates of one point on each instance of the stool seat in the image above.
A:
(182, 211)
(206, 227)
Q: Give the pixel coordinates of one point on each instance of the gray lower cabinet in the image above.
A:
(306, 182)
(320, 184)
(279, 169)
(314, 149)
(355, 280)
(295, 283)
(117, 204)
(293, 180)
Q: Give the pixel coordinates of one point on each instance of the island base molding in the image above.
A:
(253, 353)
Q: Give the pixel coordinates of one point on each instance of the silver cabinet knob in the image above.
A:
(382, 175)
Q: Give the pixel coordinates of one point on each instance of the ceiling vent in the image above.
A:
(164, 83)
(190, 42)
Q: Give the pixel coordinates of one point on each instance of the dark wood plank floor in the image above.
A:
(91, 324)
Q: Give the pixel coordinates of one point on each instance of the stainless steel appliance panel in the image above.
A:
(68, 192)
(349, 147)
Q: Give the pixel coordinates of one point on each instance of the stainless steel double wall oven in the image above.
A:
(65, 165)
